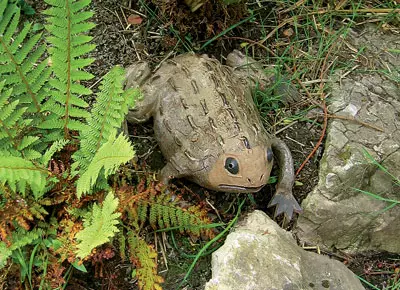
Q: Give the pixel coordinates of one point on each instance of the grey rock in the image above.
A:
(259, 255)
(335, 214)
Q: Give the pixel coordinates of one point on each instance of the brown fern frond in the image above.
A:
(148, 202)
(54, 274)
(144, 257)
(19, 210)
(67, 243)
(98, 258)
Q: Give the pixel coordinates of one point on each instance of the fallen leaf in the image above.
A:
(288, 32)
(135, 19)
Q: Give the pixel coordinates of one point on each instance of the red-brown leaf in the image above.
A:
(135, 19)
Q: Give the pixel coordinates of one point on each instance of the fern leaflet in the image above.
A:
(55, 147)
(18, 173)
(67, 26)
(164, 213)
(13, 127)
(107, 115)
(145, 258)
(110, 156)
(99, 226)
(22, 62)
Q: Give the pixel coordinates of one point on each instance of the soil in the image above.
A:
(121, 44)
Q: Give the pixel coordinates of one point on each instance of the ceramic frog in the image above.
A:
(208, 127)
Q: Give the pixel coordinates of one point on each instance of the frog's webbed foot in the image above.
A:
(253, 70)
(285, 203)
(287, 91)
(137, 74)
(283, 198)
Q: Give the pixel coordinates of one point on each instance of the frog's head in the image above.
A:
(244, 171)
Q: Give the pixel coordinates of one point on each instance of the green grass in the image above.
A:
(396, 182)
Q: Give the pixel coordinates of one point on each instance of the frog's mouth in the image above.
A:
(236, 188)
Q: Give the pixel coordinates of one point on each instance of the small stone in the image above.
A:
(260, 255)
(351, 110)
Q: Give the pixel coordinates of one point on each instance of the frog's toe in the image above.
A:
(137, 74)
(236, 58)
(286, 204)
(288, 92)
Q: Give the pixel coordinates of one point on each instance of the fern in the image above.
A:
(22, 62)
(55, 147)
(18, 172)
(13, 126)
(164, 213)
(145, 259)
(67, 25)
(109, 157)
(20, 239)
(107, 115)
(99, 226)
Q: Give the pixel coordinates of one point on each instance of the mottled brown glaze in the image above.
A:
(208, 127)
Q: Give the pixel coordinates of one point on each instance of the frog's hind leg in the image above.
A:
(167, 173)
(247, 67)
(283, 199)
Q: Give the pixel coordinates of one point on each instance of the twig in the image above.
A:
(356, 121)
(295, 141)
(163, 249)
(163, 60)
(323, 71)
(286, 127)
(215, 210)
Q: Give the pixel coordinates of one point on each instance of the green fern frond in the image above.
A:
(109, 157)
(162, 213)
(55, 147)
(20, 239)
(31, 154)
(68, 27)
(108, 113)
(13, 127)
(22, 62)
(99, 226)
(142, 211)
(17, 173)
(145, 259)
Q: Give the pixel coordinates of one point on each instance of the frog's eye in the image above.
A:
(232, 165)
(270, 155)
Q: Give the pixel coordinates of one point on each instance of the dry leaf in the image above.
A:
(288, 32)
(135, 19)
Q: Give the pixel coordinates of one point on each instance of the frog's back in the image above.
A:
(204, 109)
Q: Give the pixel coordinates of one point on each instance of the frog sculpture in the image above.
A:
(208, 127)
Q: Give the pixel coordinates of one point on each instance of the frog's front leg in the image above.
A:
(179, 166)
(167, 173)
(137, 76)
(176, 167)
(283, 198)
